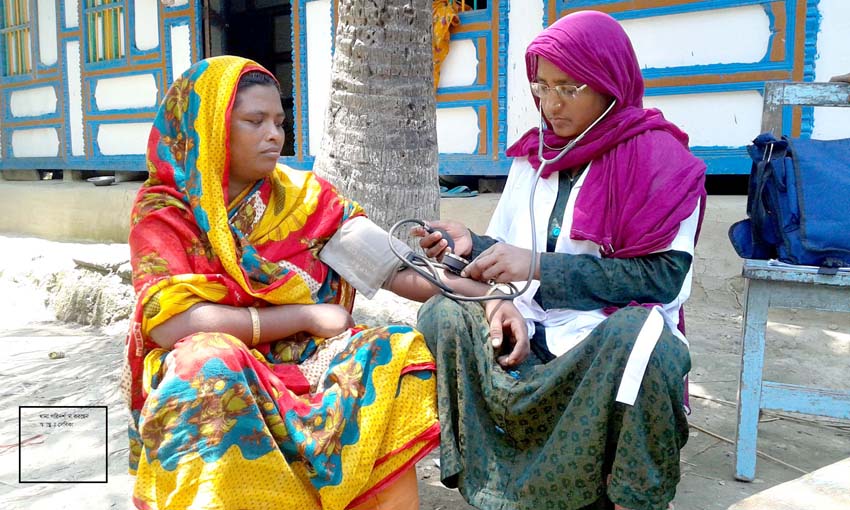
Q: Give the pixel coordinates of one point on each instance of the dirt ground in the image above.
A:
(796, 442)
(88, 373)
(804, 348)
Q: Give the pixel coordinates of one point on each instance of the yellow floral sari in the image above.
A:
(299, 423)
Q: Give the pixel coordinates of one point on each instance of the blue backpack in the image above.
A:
(798, 205)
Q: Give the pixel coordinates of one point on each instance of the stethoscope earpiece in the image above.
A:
(543, 162)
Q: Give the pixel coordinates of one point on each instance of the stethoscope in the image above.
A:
(454, 263)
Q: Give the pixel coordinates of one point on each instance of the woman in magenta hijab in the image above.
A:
(588, 412)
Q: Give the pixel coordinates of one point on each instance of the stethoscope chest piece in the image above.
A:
(454, 263)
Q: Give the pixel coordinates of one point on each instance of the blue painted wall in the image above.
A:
(488, 95)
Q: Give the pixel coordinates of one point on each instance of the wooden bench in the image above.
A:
(785, 286)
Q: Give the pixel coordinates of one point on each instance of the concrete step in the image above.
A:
(826, 488)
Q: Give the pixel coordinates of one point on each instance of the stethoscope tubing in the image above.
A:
(418, 262)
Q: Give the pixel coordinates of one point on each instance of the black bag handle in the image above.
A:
(764, 171)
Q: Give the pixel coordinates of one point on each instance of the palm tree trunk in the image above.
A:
(380, 140)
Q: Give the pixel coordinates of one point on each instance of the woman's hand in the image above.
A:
(326, 320)
(507, 329)
(434, 244)
(502, 263)
(843, 77)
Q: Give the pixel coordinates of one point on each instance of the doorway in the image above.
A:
(262, 31)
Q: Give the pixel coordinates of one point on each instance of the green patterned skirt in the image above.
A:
(547, 436)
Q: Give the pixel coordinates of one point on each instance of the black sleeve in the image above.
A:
(479, 244)
(584, 282)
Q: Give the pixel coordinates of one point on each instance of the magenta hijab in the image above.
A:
(643, 181)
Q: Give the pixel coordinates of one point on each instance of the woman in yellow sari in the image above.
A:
(248, 383)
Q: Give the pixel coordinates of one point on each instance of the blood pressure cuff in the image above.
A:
(360, 253)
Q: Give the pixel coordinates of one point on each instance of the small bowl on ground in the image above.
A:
(102, 180)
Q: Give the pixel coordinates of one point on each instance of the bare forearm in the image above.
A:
(276, 322)
(409, 284)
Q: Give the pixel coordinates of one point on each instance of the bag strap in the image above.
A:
(763, 173)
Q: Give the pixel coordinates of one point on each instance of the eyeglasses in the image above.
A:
(564, 92)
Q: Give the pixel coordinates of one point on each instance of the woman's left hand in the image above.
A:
(843, 77)
(502, 263)
(508, 332)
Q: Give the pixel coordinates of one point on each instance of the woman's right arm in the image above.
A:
(276, 322)
(158, 238)
(360, 252)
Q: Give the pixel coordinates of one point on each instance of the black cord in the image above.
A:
(419, 262)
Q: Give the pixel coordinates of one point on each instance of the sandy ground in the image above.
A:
(804, 347)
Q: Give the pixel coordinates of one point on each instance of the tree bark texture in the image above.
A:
(380, 140)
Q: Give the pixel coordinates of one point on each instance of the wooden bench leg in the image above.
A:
(749, 384)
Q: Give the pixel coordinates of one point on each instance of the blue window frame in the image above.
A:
(15, 37)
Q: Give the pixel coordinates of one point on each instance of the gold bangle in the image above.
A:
(255, 326)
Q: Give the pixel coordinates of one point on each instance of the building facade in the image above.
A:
(80, 80)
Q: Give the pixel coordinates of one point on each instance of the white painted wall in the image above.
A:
(525, 22)
(75, 97)
(733, 35)
(319, 58)
(125, 92)
(457, 130)
(118, 139)
(47, 44)
(181, 50)
(719, 119)
(460, 68)
(71, 14)
(33, 102)
(702, 38)
(833, 58)
(717, 36)
(35, 143)
(146, 28)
